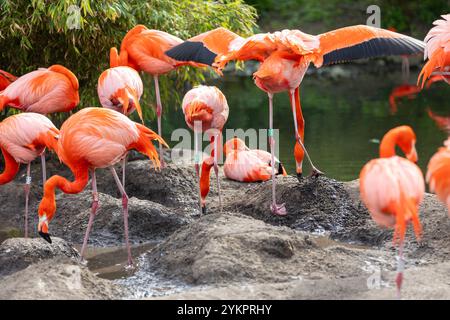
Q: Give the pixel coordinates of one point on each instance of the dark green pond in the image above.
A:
(342, 116)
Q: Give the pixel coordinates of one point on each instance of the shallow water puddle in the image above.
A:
(111, 262)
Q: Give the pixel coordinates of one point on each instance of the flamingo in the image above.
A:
(143, 50)
(205, 109)
(6, 79)
(246, 165)
(392, 188)
(24, 137)
(438, 173)
(120, 88)
(94, 138)
(437, 51)
(43, 91)
(442, 122)
(402, 91)
(285, 57)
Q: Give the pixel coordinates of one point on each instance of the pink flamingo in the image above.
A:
(246, 165)
(392, 188)
(120, 88)
(94, 138)
(24, 137)
(143, 50)
(206, 110)
(438, 174)
(285, 56)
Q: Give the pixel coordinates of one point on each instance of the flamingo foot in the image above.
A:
(278, 209)
(316, 173)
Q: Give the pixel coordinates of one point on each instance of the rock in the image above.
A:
(318, 205)
(57, 279)
(147, 220)
(174, 186)
(18, 253)
(223, 248)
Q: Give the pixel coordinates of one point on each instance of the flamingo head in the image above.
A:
(198, 111)
(402, 136)
(46, 212)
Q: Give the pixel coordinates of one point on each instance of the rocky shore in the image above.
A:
(327, 247)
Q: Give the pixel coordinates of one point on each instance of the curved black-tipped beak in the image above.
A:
(204, 210)
(299, 177)
(46, 236)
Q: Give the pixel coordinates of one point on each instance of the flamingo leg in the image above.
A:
(159, 114)
(27, 196)
(197, 161)
(125, 213)
(44, 169)
(405, 69)
(216, 170)
(93, 212)
(124, 167)
(400, 269)
(315, 171)
(275, 208)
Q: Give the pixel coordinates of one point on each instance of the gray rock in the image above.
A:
(18, 253)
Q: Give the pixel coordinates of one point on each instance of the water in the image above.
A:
(343, 117)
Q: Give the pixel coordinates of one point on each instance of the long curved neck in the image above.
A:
(387, 145)
(47, 204)
(11, 168)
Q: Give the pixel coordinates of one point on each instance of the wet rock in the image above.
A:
(147, 221)
(18, 253)
(57, 279)
(222, 248)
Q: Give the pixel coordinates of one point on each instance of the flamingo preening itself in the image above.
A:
(43, 91)
(438, 174)
(144, 50)
(6, 79)
(248, 165)
(205, 109)
(437, 51)
(23, 138)
(120, 88)
(392, 188)
(285, 56)
(94, 138)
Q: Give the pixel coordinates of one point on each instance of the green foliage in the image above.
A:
(36, 34)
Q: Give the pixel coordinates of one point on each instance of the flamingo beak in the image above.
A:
(412, 155)
(43, 228)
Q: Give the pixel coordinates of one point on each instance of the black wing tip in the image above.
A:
(192, 51)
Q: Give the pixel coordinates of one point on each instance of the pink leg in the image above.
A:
(197, 173)
(27, 196)
(93, 212)
(159, 114)
(125, 213)
(124, 165)
(315, 171)
(400, 269)
(44, 170)
(216, 170)
(275, 208)
(197, 161)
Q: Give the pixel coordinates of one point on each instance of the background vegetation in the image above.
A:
(34, 33)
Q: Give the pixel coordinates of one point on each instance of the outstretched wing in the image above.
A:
(205, 47)
(357, 42)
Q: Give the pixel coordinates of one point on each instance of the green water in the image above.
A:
(342, 117)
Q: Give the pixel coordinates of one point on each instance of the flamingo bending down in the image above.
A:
(205, 109)
(94, 138)
(392, 188)
(143, 50)
(402, 91)
(437, 51)
(285, 57)
(6, 79)
(120, 88)
(246, 165)
(24, 137)
(438, 174)
(43, 91)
